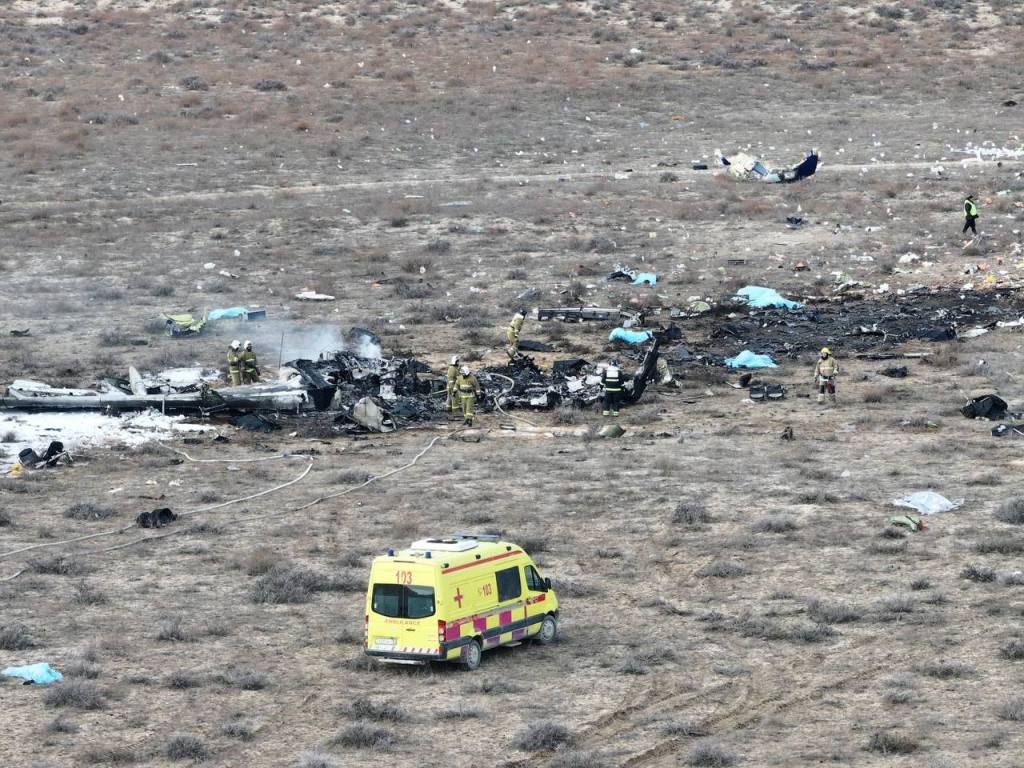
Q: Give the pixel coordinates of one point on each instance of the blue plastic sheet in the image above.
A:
(630, 337)
(747, 359)
(218, 314)
(648, 278)
(40, 674)
(760, 298)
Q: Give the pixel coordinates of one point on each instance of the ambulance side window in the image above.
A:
(509, 585)
(534, 582)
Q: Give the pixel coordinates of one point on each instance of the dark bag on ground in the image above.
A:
(985, 407)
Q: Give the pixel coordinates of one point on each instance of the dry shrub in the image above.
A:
(722, 569)
(831, 613)
(87, 511)
(365, 709)
(317, 758)
(690, 513)
(185, 746)
(80, 694)
(888, 743)
(542, 736)
(259, 561)
(711, 754)
(15, 637)
(58, 565)
(1011, 511)
(364, 736)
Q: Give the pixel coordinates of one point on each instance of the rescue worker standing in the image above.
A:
(250, 368)
(469, 391)
(611, 380)
(235, 362)
(825, 372)
(512, 334)
(970, 214)
(451, 388)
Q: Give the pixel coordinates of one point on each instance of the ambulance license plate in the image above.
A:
(384, 643)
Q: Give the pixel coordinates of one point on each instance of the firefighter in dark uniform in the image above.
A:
(611, 380)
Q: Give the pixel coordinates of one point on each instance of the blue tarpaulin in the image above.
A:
(645, 277)
(40, 674)
(630, 337)
(760, 298)
(218, 314)
(747, 359)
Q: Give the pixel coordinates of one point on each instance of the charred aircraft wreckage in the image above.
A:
(381, 394)
(749, 168)
(377, 394)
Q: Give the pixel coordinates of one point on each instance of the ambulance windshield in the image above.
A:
(403, 602)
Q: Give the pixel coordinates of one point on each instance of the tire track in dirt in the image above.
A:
(735, 714)
(528, 176)
(653, 703)
(864, 667)
(747, 713)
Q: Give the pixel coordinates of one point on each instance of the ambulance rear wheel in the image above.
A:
(472, 655)
(548, 630)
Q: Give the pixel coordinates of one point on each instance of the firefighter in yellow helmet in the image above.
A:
(250, 366)
(515, 327)
(235, 362)
(451, 389)
(469, 391)
(825, 372)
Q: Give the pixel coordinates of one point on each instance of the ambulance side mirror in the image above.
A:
(547, 583)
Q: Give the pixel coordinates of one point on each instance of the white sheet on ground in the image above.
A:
(928, 502)
(85, 429)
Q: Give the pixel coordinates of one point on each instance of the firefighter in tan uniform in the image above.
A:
(515, 327)
(451, 375)
(469, 391)
(235, 362)
(825, 372)
(250, 366)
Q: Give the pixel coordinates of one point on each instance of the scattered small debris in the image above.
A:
(895, 372)
(313, 296)
(158, 518)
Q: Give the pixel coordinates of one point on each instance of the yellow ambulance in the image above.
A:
(451, 598)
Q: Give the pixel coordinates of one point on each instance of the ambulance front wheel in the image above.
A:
(471, 655)
(548, 630)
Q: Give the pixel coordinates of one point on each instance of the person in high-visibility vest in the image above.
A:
(512, 333)
(469, 391)
(250, 368)
(970, 214)
(235, 362)
(611, 380)
(825, 372)
(451, 389)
